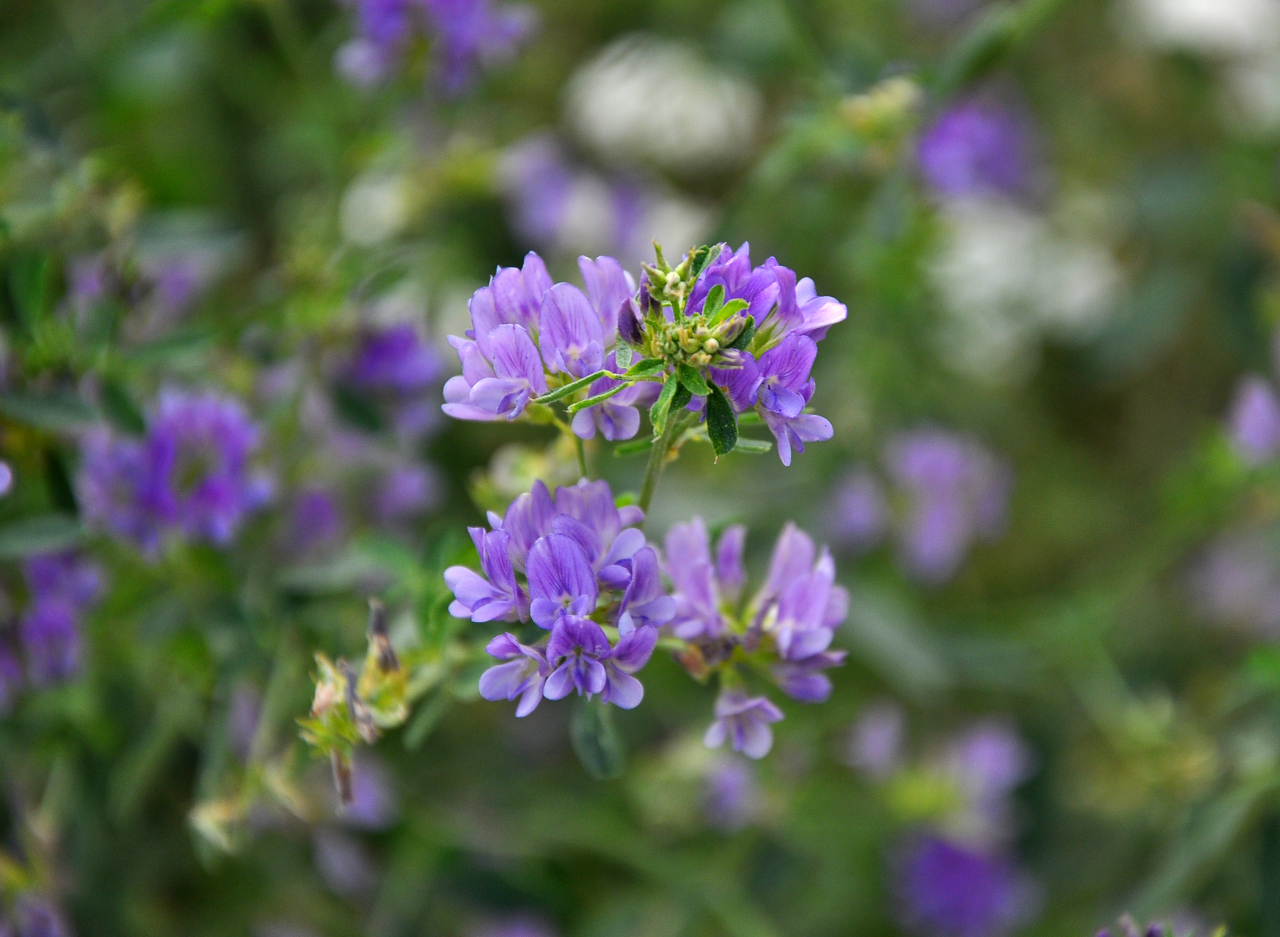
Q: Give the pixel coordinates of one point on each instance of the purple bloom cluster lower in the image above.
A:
(791, 620)
(572, 565)
(190, 473)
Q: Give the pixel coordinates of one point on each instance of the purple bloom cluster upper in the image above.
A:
(573, 565)
(976, 148)
(1255, 417)
(469, 34)
(790, 621)
(190, 473)
(531, 336)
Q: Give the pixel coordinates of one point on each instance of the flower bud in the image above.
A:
(630, 329)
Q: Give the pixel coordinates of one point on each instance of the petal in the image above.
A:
(504, 681)
(634, 650)
(622, 689)
(560, 683)
(755, 740)
(715, 734)
(514, 356)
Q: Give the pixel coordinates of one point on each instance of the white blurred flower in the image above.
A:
(1213, 27)
(1007, 278)
(374, 209)
(649, 100)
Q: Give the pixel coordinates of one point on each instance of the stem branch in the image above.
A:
(658, 460)
(580, 445)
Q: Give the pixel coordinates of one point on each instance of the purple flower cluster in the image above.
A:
(190, 473)
(953, 493)
(791, 620)
(573, 565)
(976, 148)
(60, 589)
(525, 328)
(948, 889)
(469, 34)
(1255, 417)
(772, 377)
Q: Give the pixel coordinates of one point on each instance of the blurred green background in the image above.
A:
(1056, 227)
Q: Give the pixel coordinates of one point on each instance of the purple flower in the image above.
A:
(62, 576)
(406, 491)
(784, 391)
(579, 559)
(497, 382)
(975, 148)
(876, 740)
(744, 721)
(523, 674)
(6, 478)
(948, 890)
(10, 677)
(618, 417)
(373, 800)
(496, 597)
(730, 795)
(572, 335)
(471, 34)
(561, 581)
(50, 635)
(394, 360)
(1255, 420)
(36, 916)
(114, 476)
(577, 651)
(860, 513)
(1237, 582)
(315, 520)
(703, 586)
(957, 494)
(343, 863)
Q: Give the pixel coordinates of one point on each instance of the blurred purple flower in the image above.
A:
(60, 587)
(343, 863)
(1255, 420)
(703, 585)
(730, 795)
(373, 804)
(744, 721)
(1236, 581)
(948, 890)
(37, 917)
(875, 744)
(6, 478)
(975, 147)
(405, 492)
(860, 513)
(243, 712)
(191, 472)
(958, 493)
(472, 34)
(316, 519)
(988, 760)
(394, 360)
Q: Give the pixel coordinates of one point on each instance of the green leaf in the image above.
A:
(729, 309)
(118, 407)
(594, 740)
(702, 258)
(645, 366)
(173, 348)
(722, 423)
(428, 717)
(42, 533)
(356, 410)
(753, 446)
(59, 411)
(693, 381)
(29, 286)
(681, 399)
(623, 355)
(662, 406)
(715, 299)
(746, 335)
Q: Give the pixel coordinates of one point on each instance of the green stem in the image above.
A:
(658, 460)
(581, 446)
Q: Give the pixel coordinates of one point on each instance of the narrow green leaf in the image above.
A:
(356, 410)
(703, 257)
(59, 411)
(729, 309)
(117, 406)
(29, 286)
(662, 406)
(715, 299)
(753, 446)
(746, 335)
(428, 717)
(722, 423)
(569, 388)
(693, 381)
(43, 533)
(598, 398)
(595, 741)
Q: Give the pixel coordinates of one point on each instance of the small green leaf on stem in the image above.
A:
(746, 335)
(715, 299)
(662, 406)
(595, 741)
(693, 381)
(645, 366)
(722, 423)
